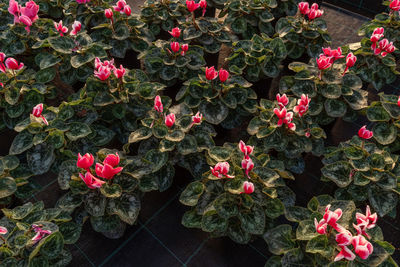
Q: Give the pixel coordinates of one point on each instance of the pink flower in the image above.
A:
(3, 230)
(350, 61)
(119, 7)
(91, 181)
(30, 10)
(108, 13)
(85, 161)
(285, 118)
(395, 5)
(364, 133)
(158, 106)
(398, 101)
(331, 217)
(211, 74)
(282, 100)
(302, 105)
(191, 5)
(119, 73)
(2, 57)
(102, 73)
(320, 226)
(314, 12)
(247, 165)
(345, 253)
(196, 119)
(76, 27)
(203, 5)
(304, 8)
(344, 238)
(26, 15)
(37, 112)
(107, 171)
(246, 150)
(127, 10)
(221, 170)
(175, 46)
(13, 64)
(362, 247)
(60, 28)
(170, 120)
(40, 233)
(14, 9)
(365, 222)
(383, 44)
(324, 62)
(223, 75)
(112, 160)
(248, 187)
(184, 48)
(82, 1)
(175, 32)
(107, 63)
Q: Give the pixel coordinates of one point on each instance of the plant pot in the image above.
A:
(117, 232)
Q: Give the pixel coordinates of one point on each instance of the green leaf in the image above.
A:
(46, 60)
(220, 154)
(253, 221)
(239, 25)
(71, 232)
(140, 134)
(237, 234)
(384, 133)
(62, 44)
(226, 205)
(383, 201)
(111, 191)
(78, 130)
(377, 113)
(190, 196)
(278, 48)
(95, 203)
(81, 59)
(335, 108)
(22, 142)
(50, 247)
(7, 187)
(188, 145)
(338, 172)
(66, 170)
(297, 214)
(306, 230)
(191, 219)
(212, 222)
(279, 239)
(320, 244)
(40, 158)
(127, 207)
(213, 113)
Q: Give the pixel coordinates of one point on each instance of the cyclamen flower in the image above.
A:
(109, 14)
(82, 1)
(395, 5)
(119, 7)
(282, 100)
(119, 73)
(37, 112)
(324, 62)
(211, 74)
(364, 133)
(345, 253)
(333, 54)
(196, 119)
(398, 101)
(175, 47)
(331, 217)
(107, 171)
(170, 120)
(192, 5)
(60, 28)
(158, 106)
(223, 75)
(247, 165)
(350, 61)
(102, 73)
(184, 48)
(320, 226)
(303, 8)
(314, 12)
(13, 64)
(106, 63)
(127, 10)
(221, 170)
(344, 238)
(3, 230)
(85, 161)
(365, 222)
(246, 150)
(302, 105)
(362, 247)
(76, 27)
(26, 15)
(91, 181)
(285, 118)
(40, 233)
(112, 160)
(175, 32)
(248, 187)
(203, 5)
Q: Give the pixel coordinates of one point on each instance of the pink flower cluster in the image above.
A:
(107, 170)
(364, 133)
(192, 5)
(26, 15)
(9, 63)
(60, 27)
(383, 46)
(344, 237)
(285, 117)
(302, 105)
(329, 56)
(175, 46)
(312, 12)
(122, 7)
(76, 27)
(40, 233)
(221, 170)
(212, 74)
(104, 69)
(37, 112)
(82, 1)
(247, 165)
(394, 5)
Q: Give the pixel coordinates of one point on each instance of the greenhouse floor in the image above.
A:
(159, 239)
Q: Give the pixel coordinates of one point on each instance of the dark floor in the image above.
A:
(159, 239)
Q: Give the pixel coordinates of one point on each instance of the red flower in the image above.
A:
(112, 160)
(211, 74)
(13, 64)
(170, 120)
(223, 75)
(282, 100)
(91, 181)
(203, 5)
(344, 238)
(119, 7)
(248, 187)
(395, 5)
(302, 105)
(345, 253)
(185, 48)
(191, 5)
(247, 165)
(85, 161)
(324, 62)
(398, 101)
(320, 226)
(221, 170)
(331, 217)
(362, 247)
(304, 8)
(175, 46)
(364, 133)
(76, 27)
(102, 73)
(350, 61)
(37, 112)
(175, 32)
(108, 13)
(60, 28)
(107, 171)
(119, 73)
(246, 150)
(196, 119)
(127, 10)
(158, 106)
